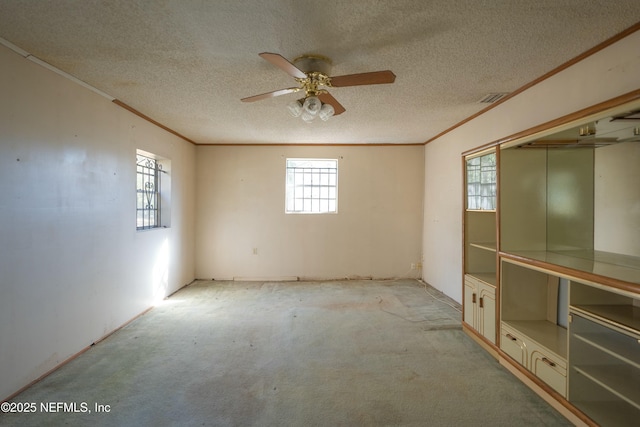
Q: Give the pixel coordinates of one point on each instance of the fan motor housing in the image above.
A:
(311, 63)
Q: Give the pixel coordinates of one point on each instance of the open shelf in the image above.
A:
(611, 346)
(604, 362)
(618, 380)
(627, 316)
(530, 300)
(623, 268)
(618, 308)
(489, 278)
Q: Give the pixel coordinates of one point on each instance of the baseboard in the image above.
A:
(267, 279)
(482, 341)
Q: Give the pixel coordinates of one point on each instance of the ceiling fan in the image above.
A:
(312, 74)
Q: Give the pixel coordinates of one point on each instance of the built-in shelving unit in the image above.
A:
(480, 246)
(561, 250)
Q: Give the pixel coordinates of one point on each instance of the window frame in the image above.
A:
(314, 186)
(149, 191)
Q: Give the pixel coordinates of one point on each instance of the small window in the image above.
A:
(481, 182)
(150, 196)
(312, 186)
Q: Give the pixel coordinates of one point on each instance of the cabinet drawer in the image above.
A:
(540, 361)
(549, 370)
(513, 345)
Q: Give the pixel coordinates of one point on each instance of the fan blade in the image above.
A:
(286, 66)
(270, 94)
(372, 78)
(327, 98)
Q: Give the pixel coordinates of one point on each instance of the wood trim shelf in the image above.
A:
(626, 317)
(487, 246)
(601, 268)
(610, 346)
(614, 379)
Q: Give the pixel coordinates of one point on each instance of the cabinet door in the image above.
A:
(470, 302)
(487, 312)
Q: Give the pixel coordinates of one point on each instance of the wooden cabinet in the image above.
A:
(558, 255)
(480, 247)
(480, 307)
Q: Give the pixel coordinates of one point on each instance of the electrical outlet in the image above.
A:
(413, 266)
(255, 251)
(419, 265)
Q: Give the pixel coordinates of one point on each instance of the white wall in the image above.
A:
(376, 233)
(611, 72)
(72, 266)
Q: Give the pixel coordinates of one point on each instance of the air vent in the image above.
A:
(493, 97)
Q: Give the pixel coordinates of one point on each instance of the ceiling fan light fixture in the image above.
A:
(312, 105)
(312, 73)
(295, 108)
(307, 117)
(326, 112)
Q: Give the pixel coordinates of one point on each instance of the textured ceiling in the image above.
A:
(186, 64)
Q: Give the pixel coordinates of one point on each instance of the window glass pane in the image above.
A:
(481, 182)
(147, 192)
(315, 183)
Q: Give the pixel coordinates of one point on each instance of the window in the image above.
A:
(150, 196)
(312, 186)
(481, 182)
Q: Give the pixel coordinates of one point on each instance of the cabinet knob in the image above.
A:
(473, 298)
(481, 302)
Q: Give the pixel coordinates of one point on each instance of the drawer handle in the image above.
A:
(473, 298)
(548, 362)
(511, 337)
